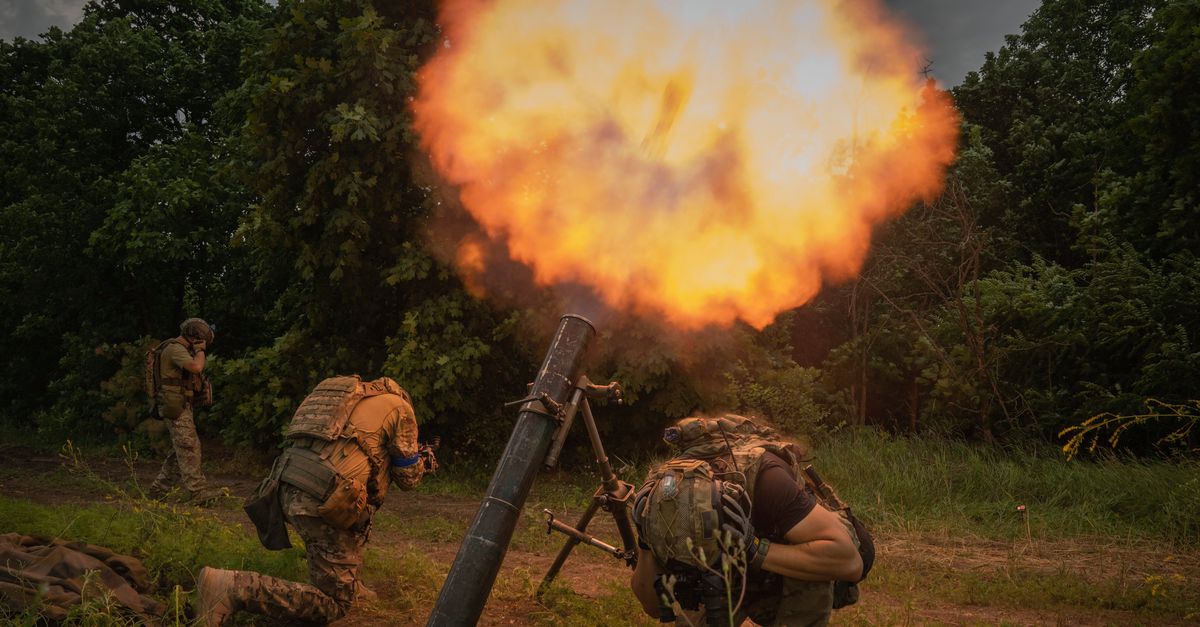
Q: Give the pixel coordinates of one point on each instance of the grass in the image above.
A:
(559, 605)
(174, 542)
(1013, 583)
(928, 485)
(953, 504)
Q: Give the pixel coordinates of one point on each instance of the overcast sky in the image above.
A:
(955, 32)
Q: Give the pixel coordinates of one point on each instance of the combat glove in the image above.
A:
(755, 547)
(428, 459)
(756, 553)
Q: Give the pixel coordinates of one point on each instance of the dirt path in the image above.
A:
(905, 592)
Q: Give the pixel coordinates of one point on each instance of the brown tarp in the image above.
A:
(57, 571)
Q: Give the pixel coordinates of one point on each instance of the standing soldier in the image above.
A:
(180, 388)
(348, 439)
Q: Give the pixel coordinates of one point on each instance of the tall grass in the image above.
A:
(934, 485)
(940, 485)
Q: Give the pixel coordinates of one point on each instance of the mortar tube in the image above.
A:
(471, 577)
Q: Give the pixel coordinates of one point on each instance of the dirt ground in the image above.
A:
(918, 565)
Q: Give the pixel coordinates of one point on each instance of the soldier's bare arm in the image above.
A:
(820, 550)
(642, 582)
(196, 365)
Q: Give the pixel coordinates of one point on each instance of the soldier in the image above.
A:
(347, 440)
(181, 388)
(734, 492)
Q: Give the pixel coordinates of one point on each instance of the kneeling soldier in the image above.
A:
(348, 438)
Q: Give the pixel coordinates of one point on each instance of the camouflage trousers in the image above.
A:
(334, 557)
(799, 604)
(782, 602)
(182, 465)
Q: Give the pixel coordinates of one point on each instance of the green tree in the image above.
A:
(100, 128)
(1047, 103)
(338, 227)
(1152, 198)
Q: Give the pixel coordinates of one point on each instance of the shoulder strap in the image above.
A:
(156, 380)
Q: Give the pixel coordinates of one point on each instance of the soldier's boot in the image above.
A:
(363, 593)
(217, 603)
(206, 497)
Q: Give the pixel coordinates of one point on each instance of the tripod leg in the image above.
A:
(569, 545)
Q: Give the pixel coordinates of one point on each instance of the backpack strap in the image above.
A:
(156, 370)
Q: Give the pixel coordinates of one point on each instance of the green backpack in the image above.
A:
(683, 513)
(734, 445)
(684, 504)
(152, 374)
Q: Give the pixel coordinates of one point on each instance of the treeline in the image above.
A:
(255, 165)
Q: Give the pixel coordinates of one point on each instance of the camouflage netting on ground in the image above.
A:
(54, 575)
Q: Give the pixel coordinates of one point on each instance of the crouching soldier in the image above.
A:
(729, 527)
(347, 440)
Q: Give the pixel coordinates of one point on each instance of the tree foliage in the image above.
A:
(1055, 280)
(256, 165)
(111, 214)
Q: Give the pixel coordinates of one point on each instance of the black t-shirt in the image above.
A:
(779, 501)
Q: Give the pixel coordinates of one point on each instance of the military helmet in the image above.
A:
(197, 329)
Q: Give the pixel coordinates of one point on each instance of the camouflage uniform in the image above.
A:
(334, 556)
(182, 464)
(382, 430)
(797, 603)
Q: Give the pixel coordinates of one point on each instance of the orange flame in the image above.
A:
(702, 161)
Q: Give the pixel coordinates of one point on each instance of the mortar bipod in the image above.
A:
(612, 496)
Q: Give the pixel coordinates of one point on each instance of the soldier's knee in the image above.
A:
(342, 606)
(342, 595)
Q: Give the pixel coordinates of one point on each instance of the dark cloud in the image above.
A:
(957, 33)
(29, 18)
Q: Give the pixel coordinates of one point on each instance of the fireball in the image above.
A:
(702, 162)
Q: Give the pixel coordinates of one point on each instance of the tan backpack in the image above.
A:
(682, 514)
(324, 413)
(152, 372)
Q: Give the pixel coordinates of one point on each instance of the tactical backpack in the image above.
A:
(200, 387)
(687, 506)
(324, 413)
(684, 503)
(734, 446)
(152, 372)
